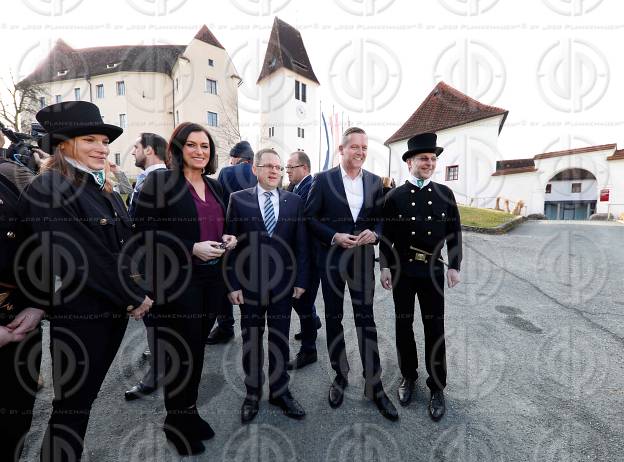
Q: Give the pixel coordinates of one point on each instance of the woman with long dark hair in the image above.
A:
(71, 264)
(180, 217)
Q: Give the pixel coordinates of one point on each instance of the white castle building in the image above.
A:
(148, 88)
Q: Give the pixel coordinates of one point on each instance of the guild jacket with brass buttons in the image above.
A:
(79, 233)
(423, 219)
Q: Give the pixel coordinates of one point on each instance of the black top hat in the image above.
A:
(425, 142)
(243, 150)
(66, 120)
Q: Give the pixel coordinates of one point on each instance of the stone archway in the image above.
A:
(571, 194)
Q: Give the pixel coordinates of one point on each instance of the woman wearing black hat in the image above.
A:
(72, 265)
(180, 212)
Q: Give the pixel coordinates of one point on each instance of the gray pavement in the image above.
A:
(535, 347)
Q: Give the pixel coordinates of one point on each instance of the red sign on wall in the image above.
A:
(604, 195)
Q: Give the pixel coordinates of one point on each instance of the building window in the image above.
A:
(118, 158)
(99, 91)
(300, 91)
(58, 99)
(452, 172)
(61, 73)
(211, 62)
(42, 101)
(123, 121)
(211, 86)
(271, 132)
(576, 187)
(213, 119)
(300, 132)
(77, 94)
(548, 188)
(121, 88)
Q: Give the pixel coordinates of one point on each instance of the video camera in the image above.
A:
(23, 144)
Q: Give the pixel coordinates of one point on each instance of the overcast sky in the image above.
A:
(556, 65)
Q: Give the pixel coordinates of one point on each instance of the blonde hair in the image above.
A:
(57, 162)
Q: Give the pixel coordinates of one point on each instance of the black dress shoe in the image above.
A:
(218, 335)
(249, 409)
(299, 335)
(177, 431)
(383, 403)
(202, 428)
(437, 407)
(139, 391)
(288, 405)
(406, 391)
(302, 359)
(336, 391)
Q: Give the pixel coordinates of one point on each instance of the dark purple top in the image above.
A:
(209, 215)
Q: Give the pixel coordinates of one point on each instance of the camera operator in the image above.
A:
(23, 158)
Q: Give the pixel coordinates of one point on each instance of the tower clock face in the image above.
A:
(301, 111)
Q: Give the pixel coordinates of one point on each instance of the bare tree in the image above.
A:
(21, 104)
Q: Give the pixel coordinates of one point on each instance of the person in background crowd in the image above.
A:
(419, 217)
(181, 211)
(388, 184)
(150, 151)
(265, 272)
(298, 168)
(77, 227)
(235, 177)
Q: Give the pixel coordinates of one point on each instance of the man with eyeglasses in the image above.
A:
(266, 270)
(344, 215)
(298, 169)
(420, 216)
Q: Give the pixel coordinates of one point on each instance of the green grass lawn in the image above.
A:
(483, 218)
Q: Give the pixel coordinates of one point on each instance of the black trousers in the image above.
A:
(182, 327)
(359, 277)
(254, 317)
(305, 309)
(82, 348)
(18, 388)
(430, 292)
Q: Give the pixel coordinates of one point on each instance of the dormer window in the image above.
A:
(112, 65)
(300, 65)
(61, 73)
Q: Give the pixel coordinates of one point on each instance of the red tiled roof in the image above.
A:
(445, 107)
(286, 49)
(568, 152)
(208, 37)
(617, 155)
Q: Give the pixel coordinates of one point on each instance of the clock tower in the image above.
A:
(289, 108)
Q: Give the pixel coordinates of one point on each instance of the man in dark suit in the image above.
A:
(343, 209)
(235, 177)
(298, 168)
(419, 217)
(264, 272)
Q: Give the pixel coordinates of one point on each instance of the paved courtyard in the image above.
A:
(535, 347)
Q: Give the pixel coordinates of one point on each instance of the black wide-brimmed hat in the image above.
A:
(242, 150)
(425, 142)
(66, 120)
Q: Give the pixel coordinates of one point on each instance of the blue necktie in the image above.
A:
(420, 182)
(269, 213)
